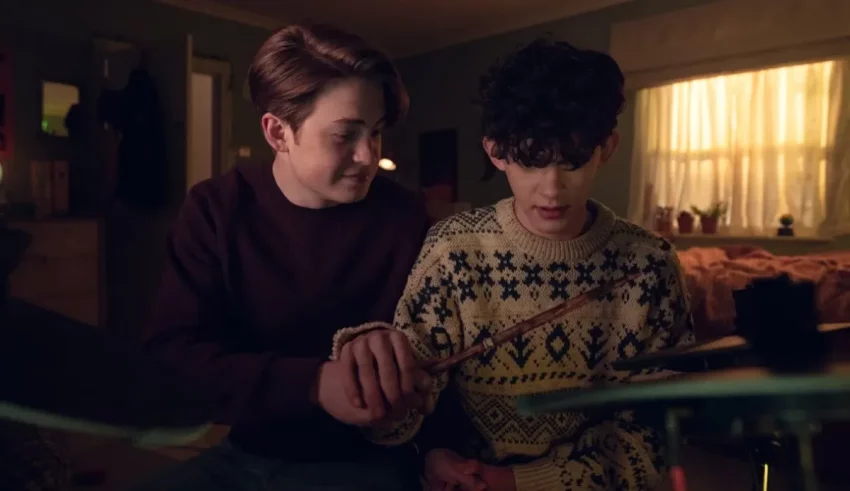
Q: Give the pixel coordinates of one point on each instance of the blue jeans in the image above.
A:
(227, 468)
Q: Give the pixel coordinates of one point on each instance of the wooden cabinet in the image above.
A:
(62, 270)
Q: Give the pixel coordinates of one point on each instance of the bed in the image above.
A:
(713, 273)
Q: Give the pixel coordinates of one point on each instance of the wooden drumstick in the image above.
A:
(440, 365)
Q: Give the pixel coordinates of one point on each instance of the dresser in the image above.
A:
(62, 269)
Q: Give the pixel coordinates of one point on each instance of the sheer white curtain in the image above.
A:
(837, 221)
(767, 143)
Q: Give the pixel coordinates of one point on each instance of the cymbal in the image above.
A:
(725, 351)
(59, 373)
(742, 392)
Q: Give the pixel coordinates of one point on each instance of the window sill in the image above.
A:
(722, 238)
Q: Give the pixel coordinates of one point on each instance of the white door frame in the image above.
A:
(220, 71)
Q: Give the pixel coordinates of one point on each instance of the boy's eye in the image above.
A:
(346, 137)
(569, 166)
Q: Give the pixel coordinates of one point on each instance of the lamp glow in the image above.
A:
(387, 164)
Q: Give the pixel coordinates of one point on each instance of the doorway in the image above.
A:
(209, 100)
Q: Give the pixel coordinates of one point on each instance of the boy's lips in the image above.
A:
(551, 212)
(355, 177)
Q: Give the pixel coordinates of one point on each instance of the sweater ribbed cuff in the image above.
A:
(345, 335)
(538, 475)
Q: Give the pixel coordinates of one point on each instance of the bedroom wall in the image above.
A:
(442, 85)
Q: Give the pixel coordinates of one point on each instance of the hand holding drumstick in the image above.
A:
(379, 374)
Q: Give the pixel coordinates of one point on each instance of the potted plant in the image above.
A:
(786, 220)
(709, 217)
(686, 222)
(664, 219)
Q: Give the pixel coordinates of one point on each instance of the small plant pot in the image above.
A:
(663, 226)
(708, 225)
(785, 232)
(686, 224)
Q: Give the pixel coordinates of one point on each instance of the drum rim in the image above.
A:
(670, 391)
(153, 437)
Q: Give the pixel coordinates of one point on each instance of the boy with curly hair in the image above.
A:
(549, 118)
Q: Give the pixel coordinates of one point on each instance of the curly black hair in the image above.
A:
(550, 103)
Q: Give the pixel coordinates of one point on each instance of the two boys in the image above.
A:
(549, 118)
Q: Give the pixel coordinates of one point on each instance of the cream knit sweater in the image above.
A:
(480, 272)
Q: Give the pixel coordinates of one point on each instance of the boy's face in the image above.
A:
(551, 202)
(333, 157)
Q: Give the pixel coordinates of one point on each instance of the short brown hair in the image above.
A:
(297, 62)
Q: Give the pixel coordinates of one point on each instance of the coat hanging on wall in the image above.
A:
(135, 112)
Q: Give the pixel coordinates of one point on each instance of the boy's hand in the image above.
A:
(329, 395)
(382, 374)
(447, 471)
(497, 478)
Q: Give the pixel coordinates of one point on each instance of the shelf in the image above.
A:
(720, 237)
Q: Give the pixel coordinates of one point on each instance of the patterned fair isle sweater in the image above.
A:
(481, 272)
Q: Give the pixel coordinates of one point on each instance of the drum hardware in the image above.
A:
(64, 375)
(750, 404)
(58, 373)
(807, 477)
(677, 472)
(770, 385)
(779, 319)
(763, 454)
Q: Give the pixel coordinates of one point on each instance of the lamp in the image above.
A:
(387, 164)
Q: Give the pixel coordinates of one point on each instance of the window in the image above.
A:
(760, 141)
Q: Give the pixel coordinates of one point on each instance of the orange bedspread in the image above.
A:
(714, 273)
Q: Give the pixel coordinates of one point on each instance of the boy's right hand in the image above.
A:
(445, 470)
(328, 393)
(382, 374)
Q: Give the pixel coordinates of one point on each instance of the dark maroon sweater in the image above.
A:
(254, 289)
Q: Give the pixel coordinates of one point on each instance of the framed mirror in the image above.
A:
(57, 101)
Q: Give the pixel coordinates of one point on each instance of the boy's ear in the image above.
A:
(488, 149)
(274, 130)
(610, 146)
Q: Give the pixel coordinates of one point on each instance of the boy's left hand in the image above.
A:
(445, 470)
(497, 478)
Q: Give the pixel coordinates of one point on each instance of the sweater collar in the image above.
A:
(557, 250)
